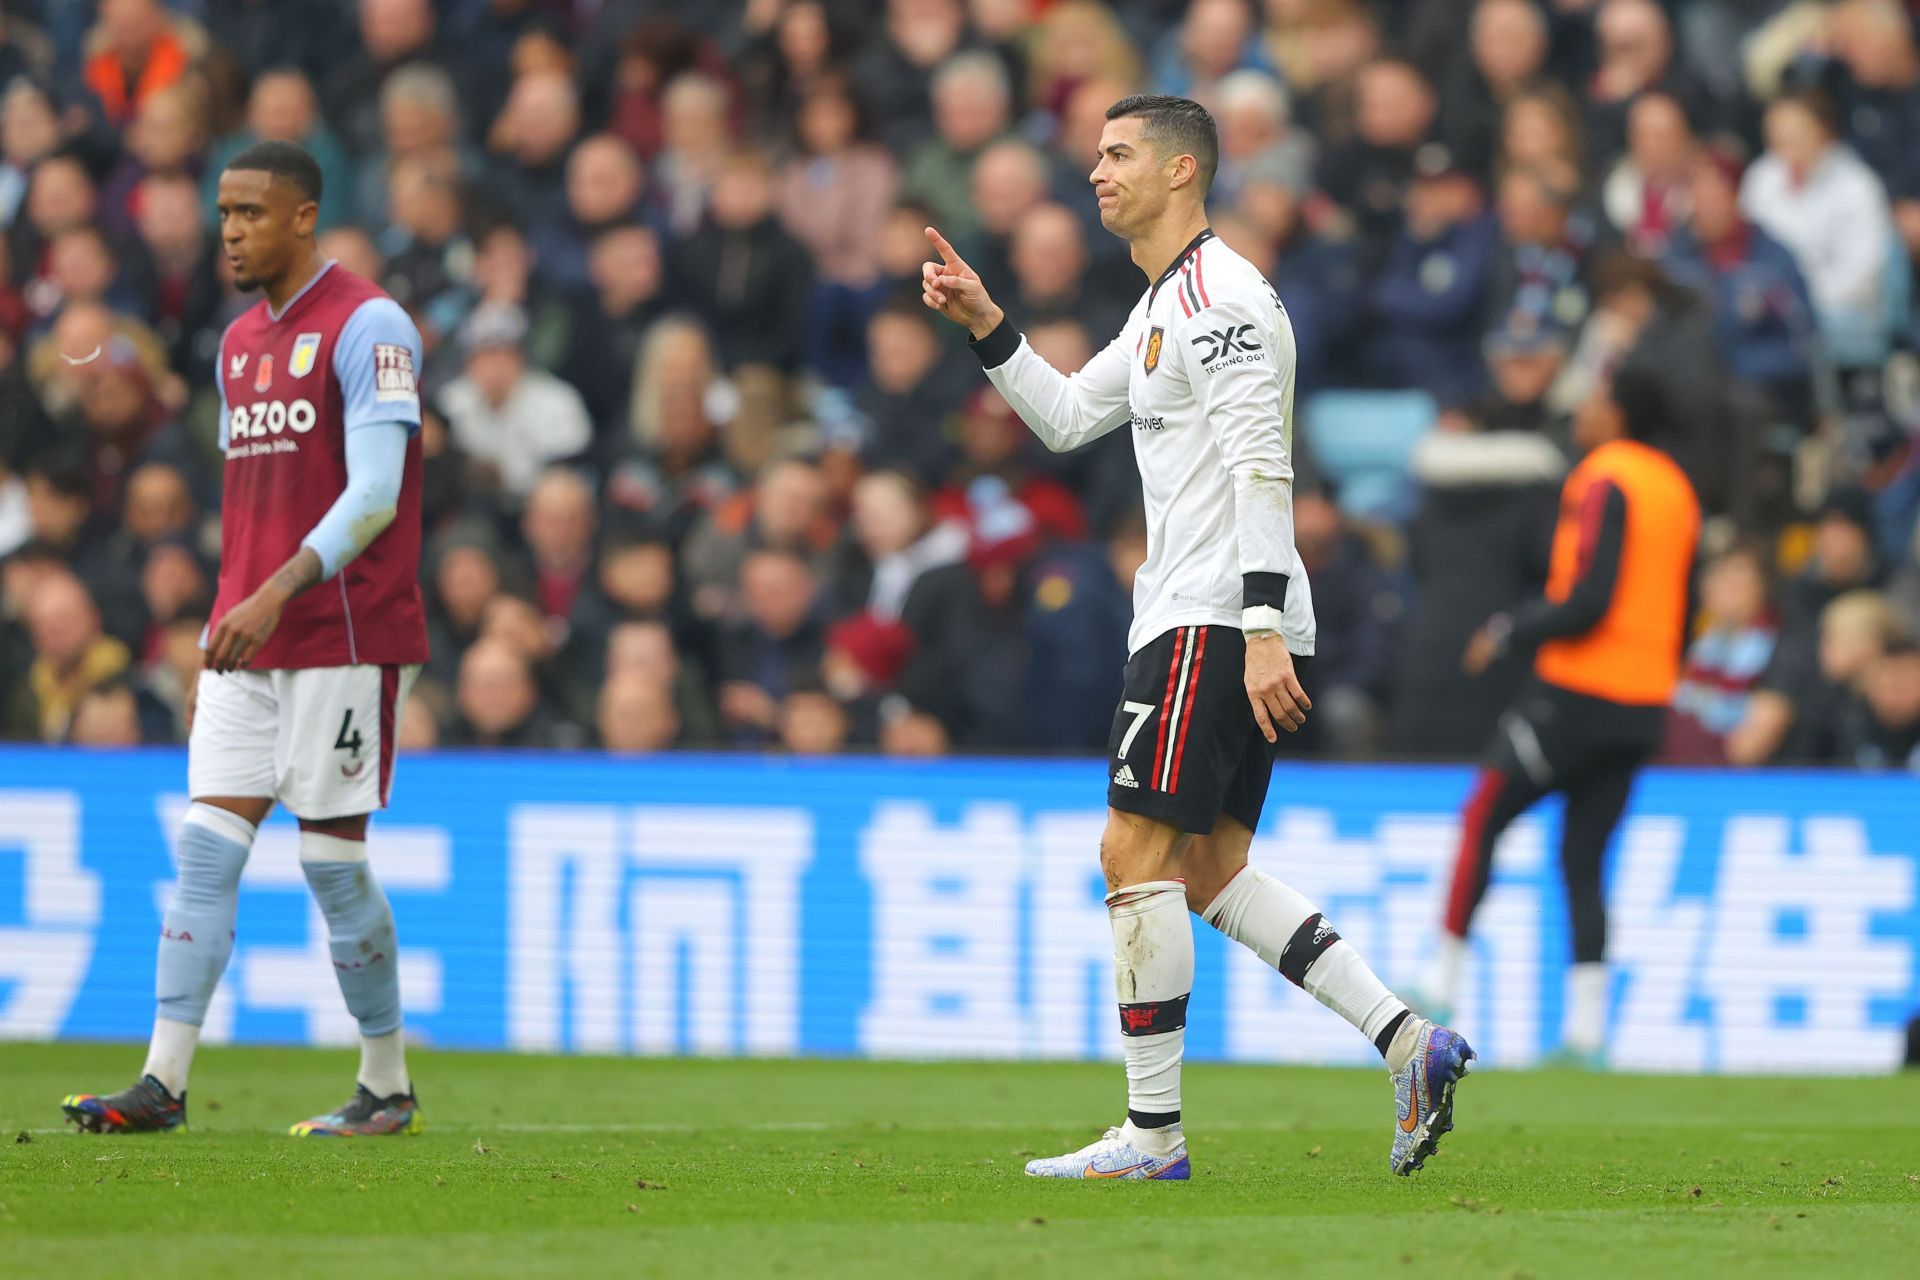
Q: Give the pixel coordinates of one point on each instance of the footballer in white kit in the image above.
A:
(1202, 376)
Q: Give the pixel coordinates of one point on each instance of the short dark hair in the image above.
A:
(283, 160)
(1644, 405)
(1175, 127)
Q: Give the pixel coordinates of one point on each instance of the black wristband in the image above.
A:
(1263, 589)
(997, 347)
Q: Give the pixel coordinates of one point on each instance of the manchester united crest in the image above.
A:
(1151, 360)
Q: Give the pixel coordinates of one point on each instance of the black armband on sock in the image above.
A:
(1263, 589)
(1152, 1017)
(997, 347)
(1308, 943)
(1152, 1119)
(1384, 1041)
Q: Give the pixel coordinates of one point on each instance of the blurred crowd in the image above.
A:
(701, 471)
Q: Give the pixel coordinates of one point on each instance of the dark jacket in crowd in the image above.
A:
(1430, 305)
(1489, 501)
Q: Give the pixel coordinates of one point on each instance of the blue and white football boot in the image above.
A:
(1423, 1093)
(1115, 1157)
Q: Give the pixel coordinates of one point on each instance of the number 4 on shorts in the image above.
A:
(349, 739)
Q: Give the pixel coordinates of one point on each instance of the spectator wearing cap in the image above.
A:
(1525, 361)
(1430, 300)
(743, 274)
(1258, 142)
(1507, 49)
(864, 659)
(1369, 174)
(834, 197)
(72, 655)
(1489, 496)
(141, 55)
(1645, 194)
(972, 106)
(775, 646)
(502, 413)
(1814, 195)
(1763, 314)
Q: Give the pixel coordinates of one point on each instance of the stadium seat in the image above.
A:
(1362, 443)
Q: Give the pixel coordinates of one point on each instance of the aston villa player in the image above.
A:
(316, 634)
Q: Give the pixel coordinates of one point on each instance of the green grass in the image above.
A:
(531, 1166)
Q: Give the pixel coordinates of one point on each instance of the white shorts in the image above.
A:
(320, 740)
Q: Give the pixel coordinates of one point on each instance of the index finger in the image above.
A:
(946, 250)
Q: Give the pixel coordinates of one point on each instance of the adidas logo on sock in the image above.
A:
(1125, 778)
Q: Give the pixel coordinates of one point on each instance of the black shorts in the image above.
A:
(1556, 738)
(1185, 747)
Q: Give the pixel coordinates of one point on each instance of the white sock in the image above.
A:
(170, 1054)
(1163, 1141)
(383, 1064)
(1269, 917)
(1449, 966)
(1153, 976)
(1588, 986)
(1401, 1050)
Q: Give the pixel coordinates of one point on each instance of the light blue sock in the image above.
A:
(196, 936)
(360, 929)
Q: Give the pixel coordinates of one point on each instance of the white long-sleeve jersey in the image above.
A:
(1203, 372)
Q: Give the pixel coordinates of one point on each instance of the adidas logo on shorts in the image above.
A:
(1125, 778)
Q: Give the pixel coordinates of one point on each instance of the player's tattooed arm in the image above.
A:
(246, 628)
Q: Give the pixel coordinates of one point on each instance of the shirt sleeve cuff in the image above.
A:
(997, 347)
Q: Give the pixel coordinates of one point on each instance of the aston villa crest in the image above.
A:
(305, 348)
(1151, 361)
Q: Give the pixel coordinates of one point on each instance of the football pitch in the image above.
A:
(535, 1166)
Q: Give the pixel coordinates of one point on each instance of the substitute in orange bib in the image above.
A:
(1610, 635)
